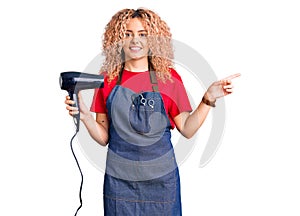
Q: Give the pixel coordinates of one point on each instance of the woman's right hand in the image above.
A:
(98, 129)
(74, 110)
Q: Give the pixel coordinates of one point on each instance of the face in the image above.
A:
(136, 45)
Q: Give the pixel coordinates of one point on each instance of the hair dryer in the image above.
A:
(73, 82)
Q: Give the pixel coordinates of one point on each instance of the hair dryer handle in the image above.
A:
(74, 96)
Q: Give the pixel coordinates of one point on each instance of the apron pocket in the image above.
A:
(139, 115)
(160, 190)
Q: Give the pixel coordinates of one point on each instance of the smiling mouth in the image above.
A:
(135, 48)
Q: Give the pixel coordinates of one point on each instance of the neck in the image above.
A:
(135, 65)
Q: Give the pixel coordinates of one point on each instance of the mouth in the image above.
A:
(135, 48)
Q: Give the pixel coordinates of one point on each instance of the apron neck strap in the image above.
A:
(153, 78)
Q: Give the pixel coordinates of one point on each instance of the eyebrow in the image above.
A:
(138, 31)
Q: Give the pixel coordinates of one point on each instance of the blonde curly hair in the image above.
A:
(161, 52)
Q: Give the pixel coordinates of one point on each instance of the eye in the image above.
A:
(128, 34)
(143, 35)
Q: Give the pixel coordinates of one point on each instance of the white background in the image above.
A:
(255, 171)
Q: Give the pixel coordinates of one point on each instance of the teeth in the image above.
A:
(135, 48)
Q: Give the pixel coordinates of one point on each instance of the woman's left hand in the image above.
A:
(220, 88)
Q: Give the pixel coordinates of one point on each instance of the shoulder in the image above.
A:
(105, 75)
(107, 83)
(175, 75)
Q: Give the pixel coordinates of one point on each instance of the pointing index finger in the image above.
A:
(232, 76)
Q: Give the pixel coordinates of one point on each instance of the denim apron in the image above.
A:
(141, 177)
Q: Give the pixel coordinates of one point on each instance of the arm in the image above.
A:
(188, 124)
(98, 129)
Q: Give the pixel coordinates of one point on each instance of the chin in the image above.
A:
(136, 57)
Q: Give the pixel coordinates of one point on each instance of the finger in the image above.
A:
(72, 108)
(72, 113)
(232, 76)
(226, 82)
(223, 82)
(227, 86)
(69, 102)
(228, 91)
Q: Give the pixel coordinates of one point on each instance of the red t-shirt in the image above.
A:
(173, 93)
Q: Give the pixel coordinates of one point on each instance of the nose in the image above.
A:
(135, 40)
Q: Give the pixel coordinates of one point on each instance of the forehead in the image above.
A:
(135, 24)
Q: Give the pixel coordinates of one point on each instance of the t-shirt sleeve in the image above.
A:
(98, 104)
(180, 101)
(99, 99)
(176, 97)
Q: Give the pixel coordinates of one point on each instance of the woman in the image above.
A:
(142, 99)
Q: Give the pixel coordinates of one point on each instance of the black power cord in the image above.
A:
(80, 190)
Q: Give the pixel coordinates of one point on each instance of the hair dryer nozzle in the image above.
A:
(76, 81)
